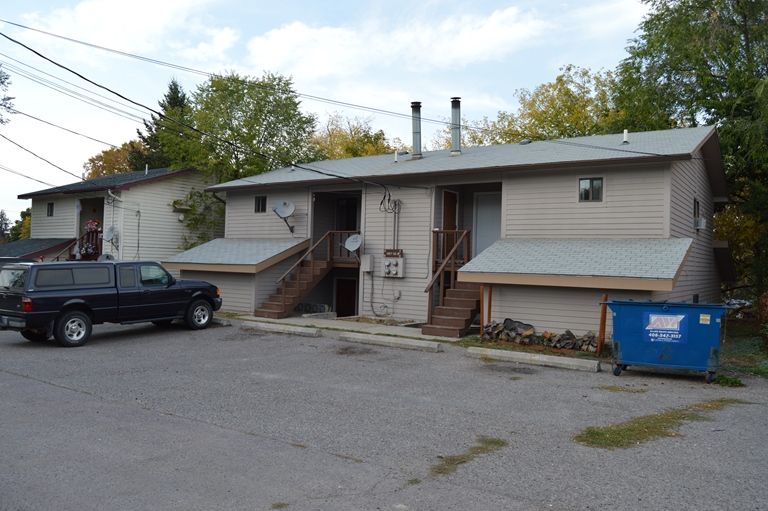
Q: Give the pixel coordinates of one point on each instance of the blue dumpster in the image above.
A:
(672, 335)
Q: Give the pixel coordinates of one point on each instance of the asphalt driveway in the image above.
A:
(233, 419)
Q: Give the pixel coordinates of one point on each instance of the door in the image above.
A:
(450, 220)
(487, 225)
(346, 297)
(160, 297)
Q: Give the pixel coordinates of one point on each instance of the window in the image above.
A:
(260, 204)
(591, 189)
(153, 276)
(127, 276)
(49, 211)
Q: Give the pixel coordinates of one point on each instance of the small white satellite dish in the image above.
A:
(106, 257)
(109, 235)
(283, 209)
(353, 242)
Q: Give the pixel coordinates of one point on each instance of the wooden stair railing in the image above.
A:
(461, 300)
(308, 271)
(89, 239)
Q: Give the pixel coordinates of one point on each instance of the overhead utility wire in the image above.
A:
(14, 111)
(185, 125)
(74, 94)
(208, 74)
(38, 156)
(3, 167)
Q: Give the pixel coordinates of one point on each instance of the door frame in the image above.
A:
(475, 230)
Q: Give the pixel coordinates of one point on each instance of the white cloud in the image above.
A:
(418, 46)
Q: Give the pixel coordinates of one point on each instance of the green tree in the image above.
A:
(21, 227)
(5, 225)
(5, 101)
(243, 126)
(110, 161)
(578, 103)
(149, 151)
(707, 61)
(342, 137)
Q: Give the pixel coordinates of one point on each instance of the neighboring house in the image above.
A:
(129, 216)
(549, 226)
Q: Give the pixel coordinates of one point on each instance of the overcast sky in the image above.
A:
(378, 55)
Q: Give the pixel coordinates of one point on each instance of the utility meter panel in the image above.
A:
(392, 265)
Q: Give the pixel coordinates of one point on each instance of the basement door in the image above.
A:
(487, 224)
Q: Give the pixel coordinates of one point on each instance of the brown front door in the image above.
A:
(346, 297)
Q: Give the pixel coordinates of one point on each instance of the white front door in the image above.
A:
(487, 224)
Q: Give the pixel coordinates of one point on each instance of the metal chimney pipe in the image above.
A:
(455, 126)
(416, 119)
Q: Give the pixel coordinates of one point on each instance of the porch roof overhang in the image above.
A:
(34, 247)
(627, 264)
(235, 255)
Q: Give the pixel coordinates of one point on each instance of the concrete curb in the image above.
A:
(286, 329)
(392, 342)
(592, 366)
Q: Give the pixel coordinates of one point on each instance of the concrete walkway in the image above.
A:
(405, 337)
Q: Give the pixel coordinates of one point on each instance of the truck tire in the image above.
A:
(35, 335)
(199, 315)
(72, 329)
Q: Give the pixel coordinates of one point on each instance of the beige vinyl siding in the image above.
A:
(63, 223)
(149, 228)
(242, 222)
(556, 309)
(266, 280)
(546, 205)
(414, 238)
(236, 288)
(699, 276)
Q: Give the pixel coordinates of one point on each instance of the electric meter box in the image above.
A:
(392, 267)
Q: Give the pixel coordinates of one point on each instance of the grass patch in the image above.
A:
(726, 381)
(485, 445)
(649, 427)
(515, 378)
(414, 481)
(744, 349)
(280, 505)
(298, 446)
(618, 388)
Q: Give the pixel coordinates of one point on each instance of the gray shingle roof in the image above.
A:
(602, 148)
(621, 258)
(112, 182)
(236, 251)
(30, 246)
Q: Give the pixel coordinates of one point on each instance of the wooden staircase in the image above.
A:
(309, 270)
(460, 308)
(458, 302)
(296, 287)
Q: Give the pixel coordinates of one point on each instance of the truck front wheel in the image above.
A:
(72, 329)
(199, 315)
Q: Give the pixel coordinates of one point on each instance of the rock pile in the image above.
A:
(524, 334)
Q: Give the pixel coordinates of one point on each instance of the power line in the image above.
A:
(14, 111)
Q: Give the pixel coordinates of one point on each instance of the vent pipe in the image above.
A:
(416, 117)
(455, 126)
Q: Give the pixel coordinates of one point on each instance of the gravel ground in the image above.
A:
(233, 419)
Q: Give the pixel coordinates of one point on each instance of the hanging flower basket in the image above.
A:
(92, 225)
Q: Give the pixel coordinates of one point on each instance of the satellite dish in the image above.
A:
(110, 234)
(353, 242)
(284, 209)
(106, 257)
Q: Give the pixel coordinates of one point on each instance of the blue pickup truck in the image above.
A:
(65, 300)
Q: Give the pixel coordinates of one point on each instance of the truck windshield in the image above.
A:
(12, 278)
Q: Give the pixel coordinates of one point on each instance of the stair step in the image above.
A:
(455, 312)
(442, 331)
(272, 306)
(462, 293)
(463, 303)
(467, 285)
(261, 313)
(453, 322)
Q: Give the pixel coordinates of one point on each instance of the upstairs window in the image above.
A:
(591, 189)
(260, 204)
(49, 210)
